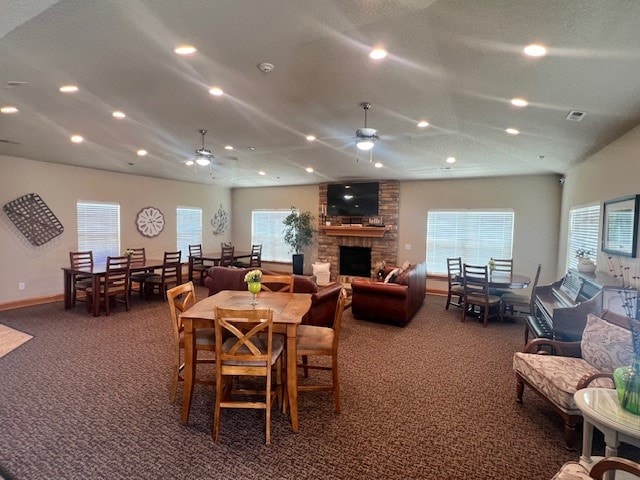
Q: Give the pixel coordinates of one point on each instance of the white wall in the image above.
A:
(61, 186)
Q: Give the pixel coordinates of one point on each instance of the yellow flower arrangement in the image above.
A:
(253, 276)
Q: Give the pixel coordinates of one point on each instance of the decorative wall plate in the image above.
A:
(220, 221)
(33, 218)
(150, 222)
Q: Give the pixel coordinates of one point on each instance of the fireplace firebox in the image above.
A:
(355, 261)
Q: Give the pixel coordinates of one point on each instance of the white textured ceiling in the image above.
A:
(456, 63)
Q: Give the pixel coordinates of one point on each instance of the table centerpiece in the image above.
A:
(253, 278)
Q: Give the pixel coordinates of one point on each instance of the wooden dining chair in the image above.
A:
(246, 346)
(180, 298)
(476, 292)
(138, 258)
(454, 281)
(226, 257)
(322, 341)
(198, 264)
(255, 260)
(503, 265)
(170, 275)
(513, 302)
(277, 283)
(80, 282)
(115, 284)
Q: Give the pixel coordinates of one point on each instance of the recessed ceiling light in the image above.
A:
(535, 50)
(8, 109)
(378, 53)
(252, 149)
(377, 165)
(261, 172)
(512, 131)
(77, 139)
(118, 114)
(142, 152)
(309, 170)
(451, 160)
(519, 102)
(311, 138)
(68, 89)
(423, 124)
(228, 147)
(185, 49)
(216, 91)
(189, 163)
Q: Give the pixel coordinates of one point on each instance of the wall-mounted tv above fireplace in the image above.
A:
(353, 199)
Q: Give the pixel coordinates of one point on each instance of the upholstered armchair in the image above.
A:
(575, 471)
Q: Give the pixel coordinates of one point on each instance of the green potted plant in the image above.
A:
(298, 233)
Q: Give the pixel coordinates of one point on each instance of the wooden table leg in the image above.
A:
(292, 374)
(95, 299)
(68, 280)
(189, 370)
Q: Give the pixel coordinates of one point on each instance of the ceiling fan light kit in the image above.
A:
(366, 135)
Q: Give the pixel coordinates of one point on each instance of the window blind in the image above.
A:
(584, 232)
(474, 235)
(267, 229)
(98, 229)
(188, 228)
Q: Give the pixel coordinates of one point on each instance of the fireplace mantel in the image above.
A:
(354, 231)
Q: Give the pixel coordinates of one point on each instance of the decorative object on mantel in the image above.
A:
(150, 222)
(375, 222)
(220, 221)
(627, 378)
(33, 218)
(585, 264)
(298, 233)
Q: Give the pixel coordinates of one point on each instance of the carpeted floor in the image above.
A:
(88, 398)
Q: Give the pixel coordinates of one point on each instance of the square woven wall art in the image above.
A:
(33, 218)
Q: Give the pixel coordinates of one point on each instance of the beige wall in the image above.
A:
(60, 187)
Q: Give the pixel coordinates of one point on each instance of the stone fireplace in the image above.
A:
(381, 242)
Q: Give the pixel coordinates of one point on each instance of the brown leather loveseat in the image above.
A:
(323, 299)
(394, 302)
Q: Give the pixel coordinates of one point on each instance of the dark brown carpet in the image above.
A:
(88, 398)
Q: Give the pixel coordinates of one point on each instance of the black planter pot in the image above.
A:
(298, 263)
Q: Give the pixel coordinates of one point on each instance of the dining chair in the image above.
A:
(502, 265)
(138, 258)
(513, 302)
(198, 264)
(454, 281)
(255, 260)
(181, 298)
(322, 341)
(277, 283)
(80, 282)
(170, 275)
(226, 257)
(116, 283)
(246, 346)
(476, 292)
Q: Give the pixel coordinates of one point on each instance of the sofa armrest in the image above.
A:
(564, 349)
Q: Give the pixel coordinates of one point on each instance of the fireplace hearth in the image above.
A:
(355, 261)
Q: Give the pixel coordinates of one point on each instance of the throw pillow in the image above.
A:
(405, 265)
(392, 275)
(606, 346)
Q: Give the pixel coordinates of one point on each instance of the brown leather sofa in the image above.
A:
(394, 302)
(323, 299)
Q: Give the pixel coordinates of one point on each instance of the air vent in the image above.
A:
(10, 142)
(576, 116)
(444, 168)
(13, 84)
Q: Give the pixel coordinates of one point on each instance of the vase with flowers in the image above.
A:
(253, 278)
(627, 378)
(585, 263)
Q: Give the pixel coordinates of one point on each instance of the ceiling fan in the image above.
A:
(366, 136)
(204, 157)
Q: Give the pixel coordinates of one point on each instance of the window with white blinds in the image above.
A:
(188, 228)
(267, 229)
(584, 233)
(474, 235)
(98, 229)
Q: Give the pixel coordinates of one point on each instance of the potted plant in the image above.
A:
(585, 264)
(298, 233)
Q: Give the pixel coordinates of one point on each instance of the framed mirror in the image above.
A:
(620, 226)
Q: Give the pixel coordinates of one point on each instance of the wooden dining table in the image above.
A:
(214, 258)
(288, 310)
(504, 280)
(98, 272)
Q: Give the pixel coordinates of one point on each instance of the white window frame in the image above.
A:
(271, 235)
(98, 225)
(464, 233)
(188, 228)
(583, 232)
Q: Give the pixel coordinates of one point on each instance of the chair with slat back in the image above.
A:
(198, 265)
(171, 275)
(80, 260)
(246, 346)
(454, 281)
(476, 292)
(181, 298)
(255, 260)
(513, 302)
(138, 257)
(277, 283)
(503, 265)
(115, 284)
(226, 258)
(322, 341)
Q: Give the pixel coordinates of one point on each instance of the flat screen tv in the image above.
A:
(353, 199)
